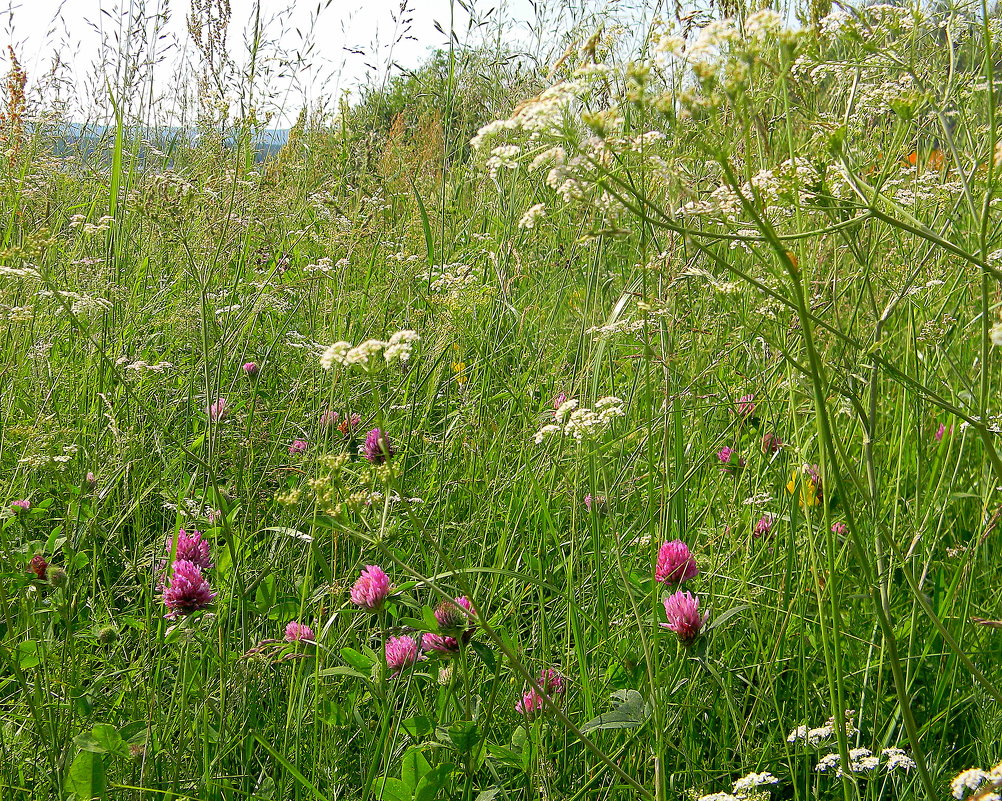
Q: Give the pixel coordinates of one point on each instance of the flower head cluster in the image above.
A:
(297, 447)
(822, 734)
(676, 564)
(764, 526)
(217, 410)
(402, 652)
(532, 705)
(456, 621)
(188, 590)
(981, 783)
(296, 632)
(191, 547)
(862, 760)
(371, 589)
(377, 448)
(575, 421)
(748, 788)
(682, 612)
(730, 460)
(398, 347)
(745, 407)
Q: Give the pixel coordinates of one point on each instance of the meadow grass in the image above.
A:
(737, 289)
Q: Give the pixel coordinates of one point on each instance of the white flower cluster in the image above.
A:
(862, 760)
(80, 221)
(449, 277)
(579, 422)
(823, 733)
(765, 189)
(141, 366)
(57, 460)
(326, 265)
(528, 221)
(19, 272)
(80, 304)
(747, 788)
(981, 783)
(399, 347)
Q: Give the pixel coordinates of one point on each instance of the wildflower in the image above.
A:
(530, 706)
(371, 588)
(559, 401)
(456, 617)
(439, 642)
(22, 506)
(335, 354)
(810, 485)
(295, 632)
(771, 443)
(188, 590)
(754, 780)
(594, 503)
(896, 759)
(943, 431)
(675, 564)
(57, 577)
(90, 480)
(39, 566)
(682, 611)
(377, 447)
(840, 529)
(191, 548)
(763, 527)
(402, 652)
(400, 346)
(329, 417)
(217, 410)
(298, 446)
(106, 635)
(730, 461)
(552, 682)
(745, 407)
(251, 369)
(996, 335)
(459, 368)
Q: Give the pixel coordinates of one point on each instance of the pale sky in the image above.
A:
(345, 42)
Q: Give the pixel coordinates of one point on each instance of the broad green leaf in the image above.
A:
(86, 777)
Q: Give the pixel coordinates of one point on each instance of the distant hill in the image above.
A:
(87, 138)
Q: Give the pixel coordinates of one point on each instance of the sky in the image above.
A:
(316, 48)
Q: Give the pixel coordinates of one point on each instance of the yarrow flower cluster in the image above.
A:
(747, 788)
(821, 734)
(398, 347)
(572, 420)
(862, 760)
(982, 784)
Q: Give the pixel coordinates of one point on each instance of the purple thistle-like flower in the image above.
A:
(295, 631)
(371, 588)
(730, 461)
(764, 526)
(191, 548)
(675, 564)
(377, 448)
(251, 369)
(439, 642)
(298, 446)
(188, 591)
(21, 506)
(682, 611)
(745, 407)
(402, 652)
(217, 409)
